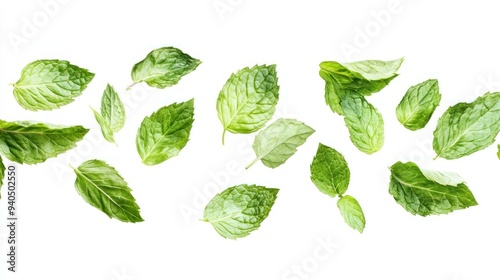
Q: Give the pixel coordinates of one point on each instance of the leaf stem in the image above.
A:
(223, 136)
(436, 157)
(252, 163)
(130, 87)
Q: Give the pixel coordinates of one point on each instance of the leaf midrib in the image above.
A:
(280, 143)
(168, 132)
(31, 132)
(154, 76)
(231, 215)
(404, 183)
(16, 85)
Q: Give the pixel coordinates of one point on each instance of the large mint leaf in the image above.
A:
(104, 188)
(329, 171)
(248, 99)
(365, 124)
(279, 141)
(163, 67)
(466, 128)
(163, 134)
(426, 195)
(239, 210)
(418, 104)
(27, 142)
(50, 84)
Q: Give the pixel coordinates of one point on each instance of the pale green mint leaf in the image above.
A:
(248, 99)
(112, 109)
(279, 141)
(466, 128)
(30, 143)
(345, 80)
(112, 116)
(421, 196)
(352, 212)
(498, 153)
(329, 171)
(163, 67)
(443, 178)
(105, 129)
(375, 69)
(365, 124)
(103, 187)
(2, 174)
(50, 84)
(418, 104)
(239, 210)
(361, 77)
(163, 134)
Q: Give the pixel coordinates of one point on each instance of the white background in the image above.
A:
(62, 237)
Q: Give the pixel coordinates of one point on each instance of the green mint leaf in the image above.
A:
(163, 134)
(112, 116)
(50, 84)
(364, 122)
(329, 171)
(101, 186)
(498, 153)
(361, 77)
(418, 104)
(466, 128)
(239, 210)
(345, 87)
(163, 67)
(422, 196)
(112, 109)
(2, 174)
(30, 143)
(105, 129)
(248, 99)
(352, 212)
(279, 141)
